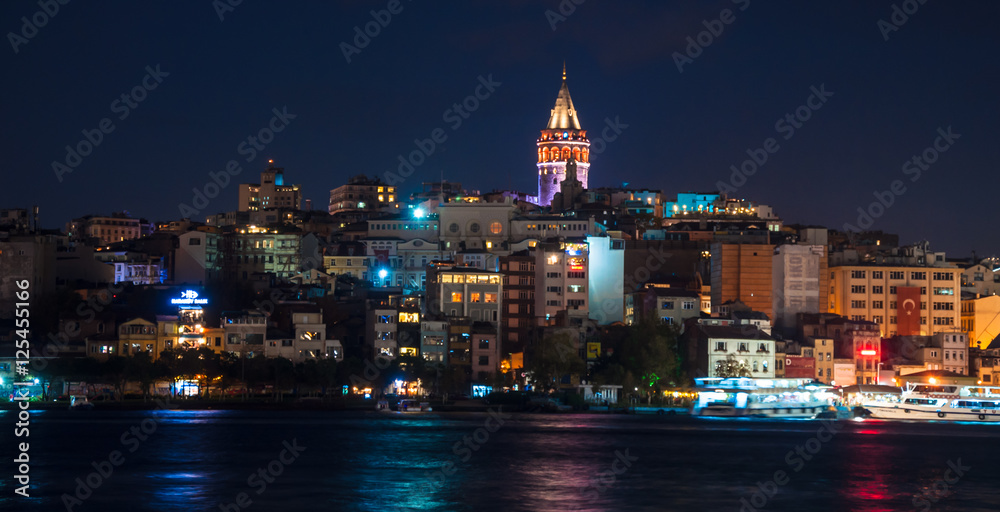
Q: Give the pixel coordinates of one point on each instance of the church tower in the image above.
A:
(562, 139)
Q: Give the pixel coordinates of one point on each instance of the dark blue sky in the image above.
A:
(683, 131)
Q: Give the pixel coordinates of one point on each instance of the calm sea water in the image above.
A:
(360, 461)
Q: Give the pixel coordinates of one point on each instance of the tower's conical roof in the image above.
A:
(563, 114)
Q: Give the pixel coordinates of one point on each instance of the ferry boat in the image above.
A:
(414, 406)
(768, 398)
(405, 405)
(941, 403)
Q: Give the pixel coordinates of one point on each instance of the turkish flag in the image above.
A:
(908, 310)
(382, 255)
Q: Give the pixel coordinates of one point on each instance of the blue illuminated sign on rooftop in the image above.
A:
(189, 297)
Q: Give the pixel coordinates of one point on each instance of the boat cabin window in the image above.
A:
(920, 401)
(975, 404)
(935, 389)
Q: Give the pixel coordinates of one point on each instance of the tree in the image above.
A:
(142, 369)
(731, 367)
(229, 366)
(650, 357)
(282, 373)
(551, 358)
(114, 371)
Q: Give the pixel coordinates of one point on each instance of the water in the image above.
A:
(360, 461)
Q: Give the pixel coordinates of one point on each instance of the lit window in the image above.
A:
(456, 296)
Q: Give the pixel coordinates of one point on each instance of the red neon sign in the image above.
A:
(868, 352)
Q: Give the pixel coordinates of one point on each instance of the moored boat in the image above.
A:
(947, 402)
(414, 406)
(80, 403)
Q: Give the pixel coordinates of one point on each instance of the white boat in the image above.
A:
(413, 406)
(80, 403)
(948, 402)
(768, 398)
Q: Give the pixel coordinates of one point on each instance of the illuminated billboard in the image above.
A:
(189, 298)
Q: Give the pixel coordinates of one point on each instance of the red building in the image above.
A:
(800, 367)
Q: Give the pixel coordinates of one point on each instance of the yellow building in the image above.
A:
(354, 266)
(868, 292)
(981, 320)
(135, 336)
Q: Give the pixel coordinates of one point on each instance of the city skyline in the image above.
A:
(687, 111)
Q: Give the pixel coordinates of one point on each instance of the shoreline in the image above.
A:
(202, 405)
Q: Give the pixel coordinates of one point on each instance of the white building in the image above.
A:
(474, 225)
(797, 273)
(382, 331)
(748, 345)
(396, 263)
(605, 279)
(196, 259)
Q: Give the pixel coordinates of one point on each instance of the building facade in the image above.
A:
(743, 272)
(892, 295)
(980, 320)
(270, 193)
(363, 193)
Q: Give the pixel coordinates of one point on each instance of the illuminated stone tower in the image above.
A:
(561, 139)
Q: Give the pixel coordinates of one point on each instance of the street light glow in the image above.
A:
(382, 273)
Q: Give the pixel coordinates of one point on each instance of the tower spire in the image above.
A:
(563, 148)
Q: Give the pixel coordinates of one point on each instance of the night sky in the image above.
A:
(684, 129)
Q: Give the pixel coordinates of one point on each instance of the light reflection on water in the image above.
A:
(197, 460)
